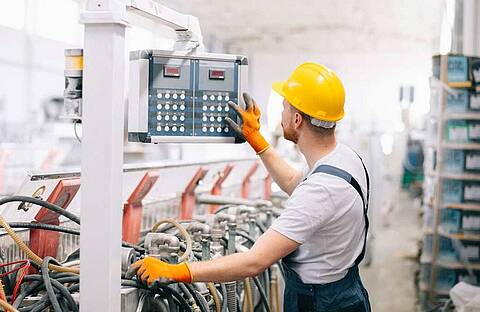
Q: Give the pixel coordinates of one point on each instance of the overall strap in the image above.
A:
(334, 171)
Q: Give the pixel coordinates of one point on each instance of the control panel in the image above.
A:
(177, 97)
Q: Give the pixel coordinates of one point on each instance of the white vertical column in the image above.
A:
(102, 156)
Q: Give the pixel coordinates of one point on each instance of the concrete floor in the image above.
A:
(390, 277)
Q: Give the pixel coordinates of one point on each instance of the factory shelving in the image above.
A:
(452, 184)
(461, 206)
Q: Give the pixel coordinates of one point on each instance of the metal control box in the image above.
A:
(178, 97)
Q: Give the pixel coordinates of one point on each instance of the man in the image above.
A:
(321, 233)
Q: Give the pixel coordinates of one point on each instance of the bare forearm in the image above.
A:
(282, 173)
(230, 268)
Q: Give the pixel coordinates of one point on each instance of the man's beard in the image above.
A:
(290, 134)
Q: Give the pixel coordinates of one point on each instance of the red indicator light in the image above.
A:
(216, 74)
(171, 71)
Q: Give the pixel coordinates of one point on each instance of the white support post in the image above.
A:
(102, 155)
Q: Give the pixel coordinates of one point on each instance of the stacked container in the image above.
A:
(451, 243)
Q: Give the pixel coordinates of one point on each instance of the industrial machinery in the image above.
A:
(36, 284)
(182, 97)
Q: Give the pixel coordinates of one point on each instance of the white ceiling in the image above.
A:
(326, 26)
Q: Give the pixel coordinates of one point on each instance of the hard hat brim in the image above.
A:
(278, 87)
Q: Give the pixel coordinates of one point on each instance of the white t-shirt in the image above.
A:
(325, 215)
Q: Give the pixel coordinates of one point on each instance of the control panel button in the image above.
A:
(159, 95)
(182, 107)
(226, 129)
(159, 128)
(159, 106)
(182, 96)
(182, 129)
(212, 118)
(175, 96)
(182, 118)
(219, 108)
(167, 95)
(174, 128)
(212, 108)
(219, 129)
(167, 106)
(174, 106)
(167, 117)
(212, 97)
(204, 129)
(219, 119)
(167, 128)
(212, 129)
(174, 117)
(205, 97)
(227, 98)
(159, 117)
(204, 107)
(219, 97)
(204, 118)
(227, 108)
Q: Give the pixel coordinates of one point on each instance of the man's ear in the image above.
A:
(298, 120)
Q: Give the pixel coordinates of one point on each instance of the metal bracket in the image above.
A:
(217, 185)
(45, 243)
(188, 196)
(133, 208)
(245, 191)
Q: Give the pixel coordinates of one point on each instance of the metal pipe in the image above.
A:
(226, 200)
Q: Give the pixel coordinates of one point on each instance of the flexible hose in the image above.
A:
(182, 231)
(216, 299)
(39, 202)
(224, 297)
(30, 254)
(189, 296)
(6, 306)
(231, 296)
(262, 293)
(248, 295)
(43, 226)
(2, 294)
(48, 284)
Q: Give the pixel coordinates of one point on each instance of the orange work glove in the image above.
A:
(250, 129)
(151, 269)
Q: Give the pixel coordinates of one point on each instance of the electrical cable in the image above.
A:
(202, 304)
(216, 299)
(262, 293)
(224, 207)
(181, 229)
(37, 286)
(45, 204)
(6, 306)
(48, 284)
(260, 226)
(62, 229)
(43, 226)
(189, 296)
(35, 258)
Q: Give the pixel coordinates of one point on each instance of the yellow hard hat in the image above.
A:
(314, 90)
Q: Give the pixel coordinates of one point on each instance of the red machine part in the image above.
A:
(188, 195)
(267, 190)
(245, 191)
(133, 208)
(217, 185)
(45, 243)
